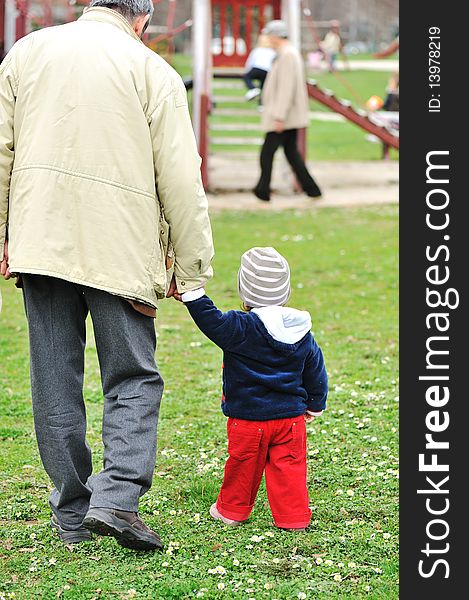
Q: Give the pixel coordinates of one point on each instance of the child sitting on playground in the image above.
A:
(274, 380)
(257, 67)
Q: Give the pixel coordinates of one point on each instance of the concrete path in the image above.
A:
(368, 65)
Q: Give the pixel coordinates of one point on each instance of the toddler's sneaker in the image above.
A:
(216, 515)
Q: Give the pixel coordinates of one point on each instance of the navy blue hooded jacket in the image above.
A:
(263, 378)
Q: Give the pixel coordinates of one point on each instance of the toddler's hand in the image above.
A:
(309, 418)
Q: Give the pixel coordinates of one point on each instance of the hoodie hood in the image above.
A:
(284, 324)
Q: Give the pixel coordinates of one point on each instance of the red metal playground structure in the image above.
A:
(223, 34)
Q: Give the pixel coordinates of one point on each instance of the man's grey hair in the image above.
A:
(130, 9)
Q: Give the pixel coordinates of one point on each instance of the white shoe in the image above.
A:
(216, 515)
(251, 94)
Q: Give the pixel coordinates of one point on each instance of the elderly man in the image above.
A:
(97, 158)
(285, 111)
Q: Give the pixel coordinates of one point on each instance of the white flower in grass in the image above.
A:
(269, 534)
(200, 594)
(340, 565)
(377, 570)
(352, 565)
(350, 493)
(52, 561)
(367, 588)
(386, 536)
(301, 595)
(256, 538)
(235, 562)
(276, 561)
(250, 581)
(197, 518)
(219, 570)
(165, 564)
(221, 586)
(268, 586)
(337, 577)
(318, 561)
(328, 562)
(249, 546)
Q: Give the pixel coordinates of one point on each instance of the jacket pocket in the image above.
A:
(243, 442)
(163, 259)
(168, 250)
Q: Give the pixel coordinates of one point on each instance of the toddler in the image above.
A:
(274, 379)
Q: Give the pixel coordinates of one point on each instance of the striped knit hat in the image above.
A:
(263, 278)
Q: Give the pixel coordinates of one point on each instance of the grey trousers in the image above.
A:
(56, 311)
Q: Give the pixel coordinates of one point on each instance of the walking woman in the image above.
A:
(285, 102)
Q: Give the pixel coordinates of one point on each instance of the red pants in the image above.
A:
(277, 447)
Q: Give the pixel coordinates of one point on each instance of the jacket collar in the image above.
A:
(107, 15)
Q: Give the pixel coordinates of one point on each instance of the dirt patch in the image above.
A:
(342, 183)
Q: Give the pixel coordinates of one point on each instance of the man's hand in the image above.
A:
(4, 266)
(279, 126)
(309, 418)
(173, 290)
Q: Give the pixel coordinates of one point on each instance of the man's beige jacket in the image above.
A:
(97, 151)
(284, 94)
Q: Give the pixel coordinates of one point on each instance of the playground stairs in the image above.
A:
(234, 122)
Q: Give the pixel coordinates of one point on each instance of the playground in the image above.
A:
(343, 252)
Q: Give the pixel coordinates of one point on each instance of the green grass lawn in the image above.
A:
(344, 271)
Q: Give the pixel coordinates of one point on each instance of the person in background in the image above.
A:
(274, 381)
(97, 158)
(258, 64)
(391, 101)
(285, 110)
(332, 45)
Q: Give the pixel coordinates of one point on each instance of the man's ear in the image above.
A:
(140, 24)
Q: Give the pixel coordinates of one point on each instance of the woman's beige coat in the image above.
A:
(284, 94)
(96, 144)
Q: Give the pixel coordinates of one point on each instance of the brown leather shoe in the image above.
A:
(127, 527)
